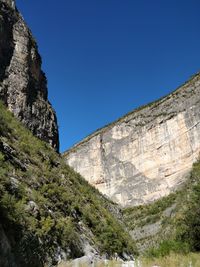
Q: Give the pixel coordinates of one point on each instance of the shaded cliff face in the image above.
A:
(146, 154)
(23, 85)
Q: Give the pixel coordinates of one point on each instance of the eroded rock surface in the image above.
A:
(23, 85)
(146, 154)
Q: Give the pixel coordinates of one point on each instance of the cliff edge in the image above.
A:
(148, 153)
(23, 85)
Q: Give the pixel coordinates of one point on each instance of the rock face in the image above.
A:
(146, 154)
(6, 256)
(23, 85)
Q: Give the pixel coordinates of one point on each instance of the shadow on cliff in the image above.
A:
(18, 247)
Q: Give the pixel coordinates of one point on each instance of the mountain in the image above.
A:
(48, 211)
(23, 85)
(148, 153)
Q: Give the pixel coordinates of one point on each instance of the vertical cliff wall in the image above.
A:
(146, 154)
(23, 85)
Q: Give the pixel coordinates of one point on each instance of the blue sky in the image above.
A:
(103, 58)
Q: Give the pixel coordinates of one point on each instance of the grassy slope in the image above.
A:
(179, 215)
(44, 204)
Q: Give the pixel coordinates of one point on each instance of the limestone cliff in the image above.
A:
(146, 154)
(23, 85)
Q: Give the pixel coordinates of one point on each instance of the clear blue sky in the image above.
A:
(103, 58)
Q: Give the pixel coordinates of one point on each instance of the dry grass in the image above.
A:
(173, 260)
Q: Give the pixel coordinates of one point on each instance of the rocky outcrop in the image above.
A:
(146, 154)
(23, 85)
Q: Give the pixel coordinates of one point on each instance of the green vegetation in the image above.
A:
(147, 214)
(45, 205)
(188, 221)
(179, 216)
(166, 247)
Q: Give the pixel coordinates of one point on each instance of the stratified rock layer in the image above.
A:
(23, 86)
(146, 154)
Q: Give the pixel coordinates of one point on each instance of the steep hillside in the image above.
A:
(146, 154)
(49, 212)
(171, 223)
(23, 85)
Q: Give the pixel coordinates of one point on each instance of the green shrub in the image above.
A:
(166, 247)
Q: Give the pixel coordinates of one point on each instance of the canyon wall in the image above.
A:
(23, 85)
(146, 154)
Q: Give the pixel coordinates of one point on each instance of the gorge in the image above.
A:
(125, 190)
(146, 154)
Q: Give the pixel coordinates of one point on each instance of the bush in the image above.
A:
(166, 247)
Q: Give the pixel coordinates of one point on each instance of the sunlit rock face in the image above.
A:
(148, 153)
(23, 85)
